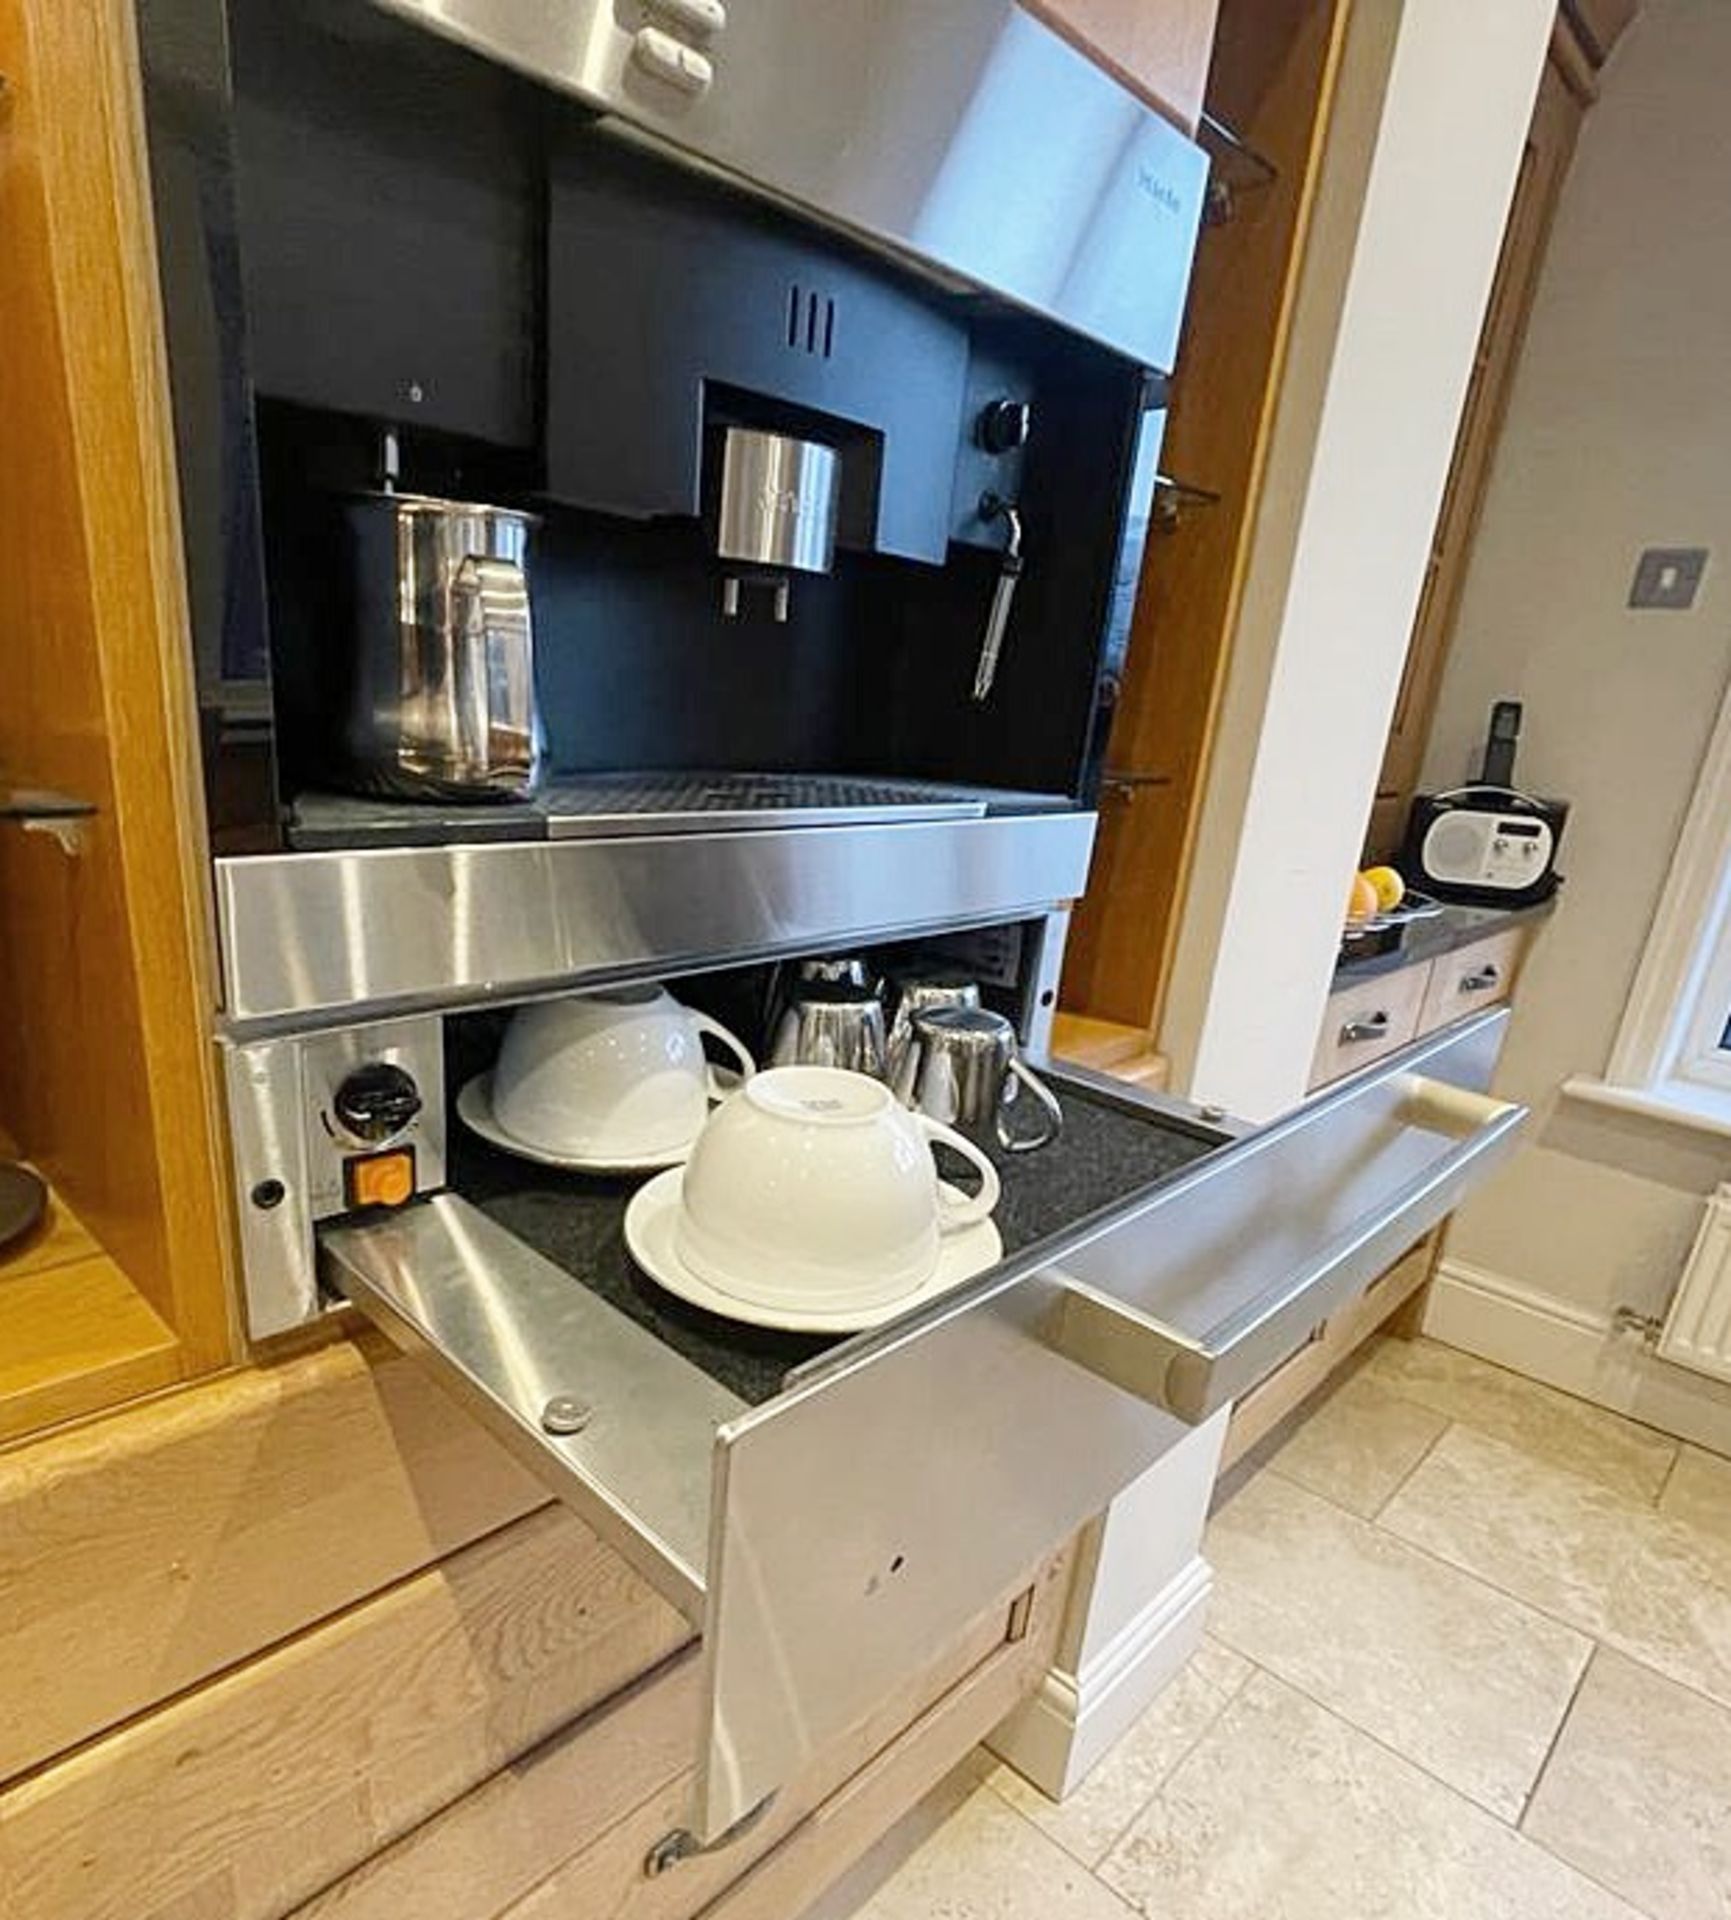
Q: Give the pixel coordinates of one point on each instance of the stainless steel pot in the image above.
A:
(960, 1070)
(842, 1039)
(442, 704)
(843, 1029)
(919, 991)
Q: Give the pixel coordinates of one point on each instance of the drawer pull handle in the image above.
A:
(674, 1848)
(1482, 981)
(1372, 1027)
(1193, 1370)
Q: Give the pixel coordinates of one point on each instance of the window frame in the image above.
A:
(1667, 1059)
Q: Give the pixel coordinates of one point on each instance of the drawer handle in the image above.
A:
(1192, 1372)
(1372, 1027)
(1482, 981)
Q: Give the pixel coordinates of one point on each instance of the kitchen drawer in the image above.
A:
(1368, 1020)
(829, 1525)
(1471, 978)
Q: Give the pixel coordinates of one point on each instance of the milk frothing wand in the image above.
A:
(994, 506)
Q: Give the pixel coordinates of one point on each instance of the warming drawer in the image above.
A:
(827, 1515)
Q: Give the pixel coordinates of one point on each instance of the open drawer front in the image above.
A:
(827, 1537)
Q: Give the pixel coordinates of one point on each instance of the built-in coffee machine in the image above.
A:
(862, 500)
(772, 393)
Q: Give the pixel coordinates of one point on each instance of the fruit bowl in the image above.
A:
(1416, 906)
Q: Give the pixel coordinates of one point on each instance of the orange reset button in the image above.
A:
(381, 1179)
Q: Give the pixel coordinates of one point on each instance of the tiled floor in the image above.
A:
(1469, 1658)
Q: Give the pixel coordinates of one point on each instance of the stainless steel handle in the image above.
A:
(494, 686)
(1194, 1375)
(1372, 1027)
(1486, 977)
(1054, 1114)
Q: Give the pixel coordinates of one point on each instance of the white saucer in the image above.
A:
(475, 1110)
(650, 1220)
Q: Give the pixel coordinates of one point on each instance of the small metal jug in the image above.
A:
(829, 1013)
(442, 704)
(961, 1069)
(843, 1029)
(919, 991)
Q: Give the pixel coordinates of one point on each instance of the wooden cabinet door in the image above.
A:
(1159, 47)
(1550, 144)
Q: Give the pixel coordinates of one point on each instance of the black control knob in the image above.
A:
(1003, 425)
(377, 1101)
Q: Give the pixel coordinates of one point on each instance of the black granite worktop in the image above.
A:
(1429, 939)
(577, 1221)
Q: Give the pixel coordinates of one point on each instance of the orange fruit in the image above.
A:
(1390, 887)
(1360, 900)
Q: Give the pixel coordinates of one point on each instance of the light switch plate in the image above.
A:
(1668, 578)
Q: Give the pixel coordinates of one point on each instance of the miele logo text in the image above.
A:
(1157, 189)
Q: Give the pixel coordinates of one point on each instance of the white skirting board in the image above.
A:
(1568, 1347)
(1060, 1735)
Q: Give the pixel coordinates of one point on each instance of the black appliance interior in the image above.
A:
(552, 317)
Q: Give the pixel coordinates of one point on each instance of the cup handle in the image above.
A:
(1025, 1143)
(718, 1089)
(967, 1212)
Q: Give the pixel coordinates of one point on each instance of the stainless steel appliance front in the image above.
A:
(904, 122)
(901, 1481)
(348, 934)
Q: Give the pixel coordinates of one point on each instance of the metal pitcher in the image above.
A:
(961, 1069)
(829, 1013)
(442, 704)
(844, 1029)
(920, 991)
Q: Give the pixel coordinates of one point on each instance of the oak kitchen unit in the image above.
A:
(589, 1605)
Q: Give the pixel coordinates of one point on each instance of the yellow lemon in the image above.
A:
(1390, 887)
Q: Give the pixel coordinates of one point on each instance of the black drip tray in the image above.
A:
(578, 1222)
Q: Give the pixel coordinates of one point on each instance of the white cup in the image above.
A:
(813, 1188)
(613, 1075)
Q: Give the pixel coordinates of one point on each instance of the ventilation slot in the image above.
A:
(810, 322)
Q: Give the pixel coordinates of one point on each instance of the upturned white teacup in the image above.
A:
(814, 1189)
(617, 1075)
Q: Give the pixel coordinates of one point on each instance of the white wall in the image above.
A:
(1618, 437)
(1436, 98)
